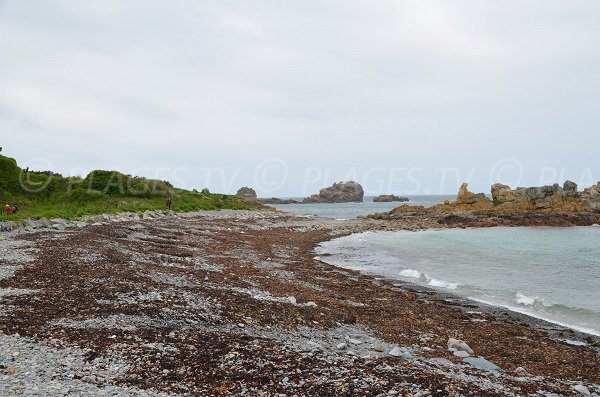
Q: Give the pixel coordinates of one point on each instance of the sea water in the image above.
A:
(352, 210)
(548, 273)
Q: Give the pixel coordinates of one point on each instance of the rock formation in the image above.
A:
(466, 197)
(550, 197)
(388, 198)
(591, 196)
(246, 193)
(524, 206)
(342, 192)
(275, 200)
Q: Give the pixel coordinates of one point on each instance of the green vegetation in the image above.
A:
(498, 201)
(47, 195)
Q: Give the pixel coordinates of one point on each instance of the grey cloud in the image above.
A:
(329, 84)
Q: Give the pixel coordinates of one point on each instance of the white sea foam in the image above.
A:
(498, 265)
(412, 273)
(426, 279)
(525, 300)
(443, 284)
(533, 314)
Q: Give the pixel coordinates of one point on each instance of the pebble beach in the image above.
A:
(235, 303)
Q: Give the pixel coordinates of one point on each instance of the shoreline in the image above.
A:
(232, 302)
(535, 319)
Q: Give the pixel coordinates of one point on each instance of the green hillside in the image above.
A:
(49, 195)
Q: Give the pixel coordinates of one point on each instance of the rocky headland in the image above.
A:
(552, 205)
(341, 192)
(388, 198)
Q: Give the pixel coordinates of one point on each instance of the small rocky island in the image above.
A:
(342, 192)
(275, 200)
(388, 198)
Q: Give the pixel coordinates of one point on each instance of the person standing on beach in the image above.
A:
(169, 202)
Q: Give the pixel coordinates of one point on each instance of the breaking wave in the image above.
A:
(426, 279)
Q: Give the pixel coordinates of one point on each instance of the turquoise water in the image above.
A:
(549, 273)
(352, 210)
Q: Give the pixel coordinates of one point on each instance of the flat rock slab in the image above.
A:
(481, 363)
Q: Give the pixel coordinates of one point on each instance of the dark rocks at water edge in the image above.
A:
(342, 192)
(275, 200)
(388, 198)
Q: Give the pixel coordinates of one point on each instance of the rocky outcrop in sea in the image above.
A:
(388, 198)
(275, 200)
(342, 192)
(551, 205)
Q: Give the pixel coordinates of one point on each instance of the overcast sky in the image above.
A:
(408, 97)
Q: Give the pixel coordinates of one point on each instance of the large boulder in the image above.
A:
(246, 193)
(388, 198)
(502, 192)
(342, 192)
(570, 189)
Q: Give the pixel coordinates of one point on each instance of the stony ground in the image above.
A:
(234, 303)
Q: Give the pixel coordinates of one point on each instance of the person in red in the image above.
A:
(8, 209)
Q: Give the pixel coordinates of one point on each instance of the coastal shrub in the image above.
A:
(108, 182)
(9, 176)
(50, 195)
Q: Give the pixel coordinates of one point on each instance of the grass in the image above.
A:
(183, 201)
(101, 192)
